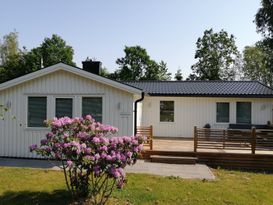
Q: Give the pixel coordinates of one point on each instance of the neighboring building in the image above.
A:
(172, 107)
(175, 107)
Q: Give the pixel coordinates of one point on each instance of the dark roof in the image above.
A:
(204, 88)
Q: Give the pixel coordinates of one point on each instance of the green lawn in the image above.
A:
(32, 186)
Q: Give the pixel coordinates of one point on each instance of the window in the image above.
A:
(92, 106)
(166, 111)
(64, 107)
(37, 109)
(243, 112)
(222, 112)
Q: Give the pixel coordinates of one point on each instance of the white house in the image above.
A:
(172, 107)
(175, 107)
(60, 90)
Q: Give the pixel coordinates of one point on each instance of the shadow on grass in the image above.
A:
(59, 197)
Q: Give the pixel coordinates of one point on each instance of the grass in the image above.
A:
(33, 186)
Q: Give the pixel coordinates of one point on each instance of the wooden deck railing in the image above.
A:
(207, 138)
(148, 133)
(264, 140)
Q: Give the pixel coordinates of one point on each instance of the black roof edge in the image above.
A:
(211, 95)
(179, 81)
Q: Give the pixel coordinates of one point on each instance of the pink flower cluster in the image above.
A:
(82, 142)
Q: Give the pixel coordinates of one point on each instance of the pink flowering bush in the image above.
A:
(93, 163)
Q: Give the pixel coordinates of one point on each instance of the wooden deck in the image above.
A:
(225, 148)
(235, 159)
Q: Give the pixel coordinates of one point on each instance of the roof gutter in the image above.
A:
(135, 111)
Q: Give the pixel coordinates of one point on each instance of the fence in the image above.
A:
(148, 133)
(227, 139)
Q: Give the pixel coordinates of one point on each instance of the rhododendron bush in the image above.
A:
(92, 161)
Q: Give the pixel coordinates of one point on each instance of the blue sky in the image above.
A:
(100, 29)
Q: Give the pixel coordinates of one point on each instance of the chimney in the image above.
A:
(92, 66)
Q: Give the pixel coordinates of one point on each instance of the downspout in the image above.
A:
(135, 111)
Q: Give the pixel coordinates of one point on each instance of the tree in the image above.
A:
(178, 75)
(104, 72)
(256, 64)
(238, 67)
(52, 50)
(137, 65)
(216, 54)
(8, 47)
(264, 18)
(157, 71)
(163, 73)
(264, 48)
(192, 77)
(13, 67)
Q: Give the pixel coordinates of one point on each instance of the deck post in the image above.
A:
(195, 139)
(151, 139)
(253, 140)
(224, 138)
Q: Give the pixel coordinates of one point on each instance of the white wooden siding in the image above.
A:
(191, 111)
(15, 136)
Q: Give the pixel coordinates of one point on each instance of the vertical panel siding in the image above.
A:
(139, 113)
(191, 111)
(15, 137)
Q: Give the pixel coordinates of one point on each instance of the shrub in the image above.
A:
(92, 162)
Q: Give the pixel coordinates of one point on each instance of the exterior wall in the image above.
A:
(191, 111)
(139, 113)
(15, 136)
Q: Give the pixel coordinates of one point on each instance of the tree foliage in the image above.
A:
(257, 61)
(137, 65)
(215, 54)
(264, 18)
(52, 50)
(8, 47)
(178, 75)
(192, 77)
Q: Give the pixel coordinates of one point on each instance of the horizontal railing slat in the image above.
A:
(207, 138)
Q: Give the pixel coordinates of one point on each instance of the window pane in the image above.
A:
(36, 111)
(166, 111)
(243, 112)
(64, 107)
(222, 112)
(92, 106)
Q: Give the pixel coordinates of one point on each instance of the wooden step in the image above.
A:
(173, 159)
(148, 153)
